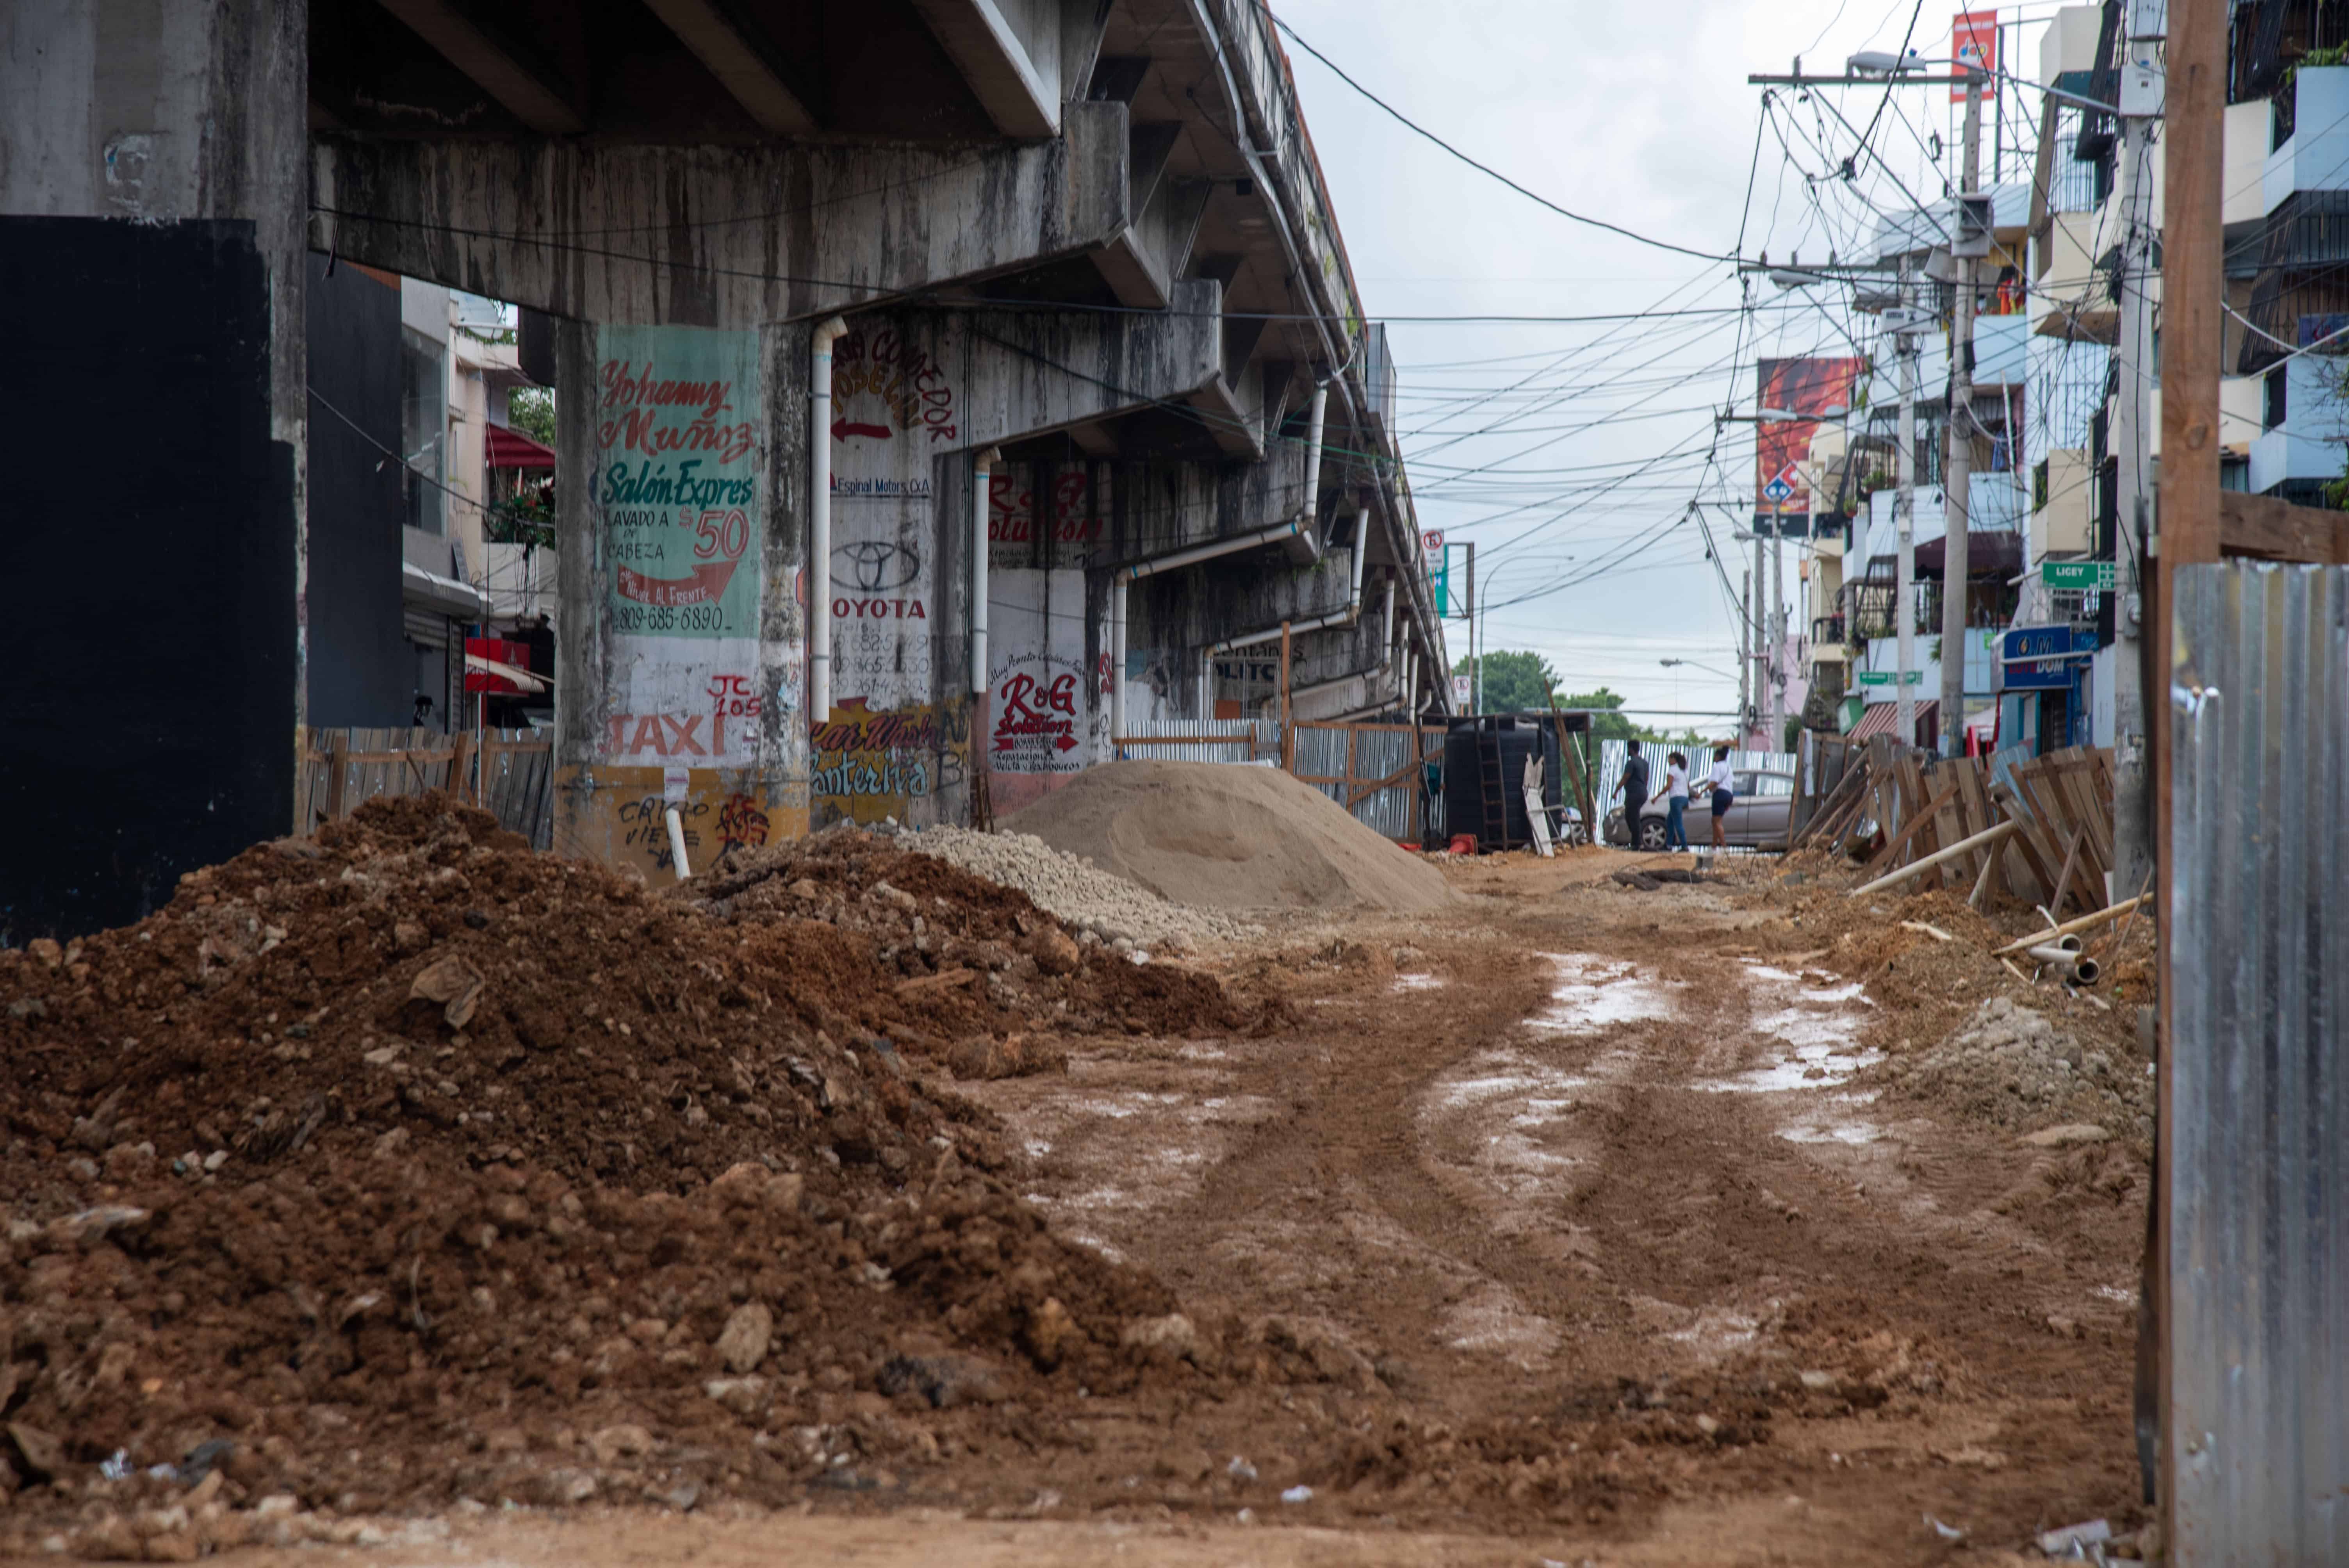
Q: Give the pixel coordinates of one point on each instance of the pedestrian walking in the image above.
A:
(1676, 800)
(1723, 796)
(1633, 787)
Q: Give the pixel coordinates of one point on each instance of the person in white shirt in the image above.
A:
(1722, 796)
(1676, 791)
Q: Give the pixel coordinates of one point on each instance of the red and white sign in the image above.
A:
(1973, 41)
(1432, 542)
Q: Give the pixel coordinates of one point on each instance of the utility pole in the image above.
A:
(2132, 822)
(1476, 665)
(1761, 638)
(1745, 651)
(2193, 285)
(1777, 736)
(1904, 514)
(1958, 473)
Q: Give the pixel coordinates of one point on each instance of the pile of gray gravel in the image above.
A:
(1097, 905)
(2011, 1067)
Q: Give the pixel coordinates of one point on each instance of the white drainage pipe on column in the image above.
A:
(1387, 639)
(1313, 461)
(1361, 553)
(1294, 527)
(1345, 617)
(819, 563)
(982, 467)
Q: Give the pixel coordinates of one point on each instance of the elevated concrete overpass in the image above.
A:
(1073, 257)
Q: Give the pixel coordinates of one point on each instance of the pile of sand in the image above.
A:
(1219, 837)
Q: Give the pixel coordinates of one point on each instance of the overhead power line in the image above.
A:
(1486, 168)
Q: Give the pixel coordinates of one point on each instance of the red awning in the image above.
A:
(512, 449)
(1884, 719)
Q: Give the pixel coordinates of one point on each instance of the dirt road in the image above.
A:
(1605, 1253)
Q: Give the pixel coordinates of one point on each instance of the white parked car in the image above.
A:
(1758, 817)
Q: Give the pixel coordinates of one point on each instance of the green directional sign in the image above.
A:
(2084, 575)
(1884, 677)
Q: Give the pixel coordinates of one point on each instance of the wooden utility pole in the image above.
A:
(2186, 533)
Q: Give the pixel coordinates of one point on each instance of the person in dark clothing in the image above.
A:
(1633, 787)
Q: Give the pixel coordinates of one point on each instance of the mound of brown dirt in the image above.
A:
(1220, 837)
(404, 1164)
(959, 955)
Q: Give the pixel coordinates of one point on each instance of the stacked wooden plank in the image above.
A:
(2064, 801)
(1897, 806)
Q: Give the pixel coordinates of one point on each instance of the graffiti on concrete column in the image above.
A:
(1076, 519)
(893, 408)
(1045, 713)
(676, 486)
(870, 765)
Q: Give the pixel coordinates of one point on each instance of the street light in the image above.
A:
(1884, 63)
(1674, 663)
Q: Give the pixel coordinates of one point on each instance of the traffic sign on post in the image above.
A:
(2084, 575)
(1884, 677)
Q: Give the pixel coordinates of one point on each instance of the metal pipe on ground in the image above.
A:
(1964, 846)
(2086, 922)
(2070, 960)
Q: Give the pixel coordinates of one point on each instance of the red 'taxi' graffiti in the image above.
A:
(1029, 711)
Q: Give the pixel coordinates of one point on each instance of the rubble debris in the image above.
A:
(505, 1149)
(1076, 890)
(2011, 1067)
(955, 954)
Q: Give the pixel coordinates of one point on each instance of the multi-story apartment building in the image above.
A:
(1852, 574)
(2046, 379)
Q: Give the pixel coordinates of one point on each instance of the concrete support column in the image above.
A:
(151, 197)
(683, 508)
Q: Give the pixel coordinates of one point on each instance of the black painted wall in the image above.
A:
(150, 630)
(361, 669)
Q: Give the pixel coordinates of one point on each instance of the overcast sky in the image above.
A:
(1640, 115)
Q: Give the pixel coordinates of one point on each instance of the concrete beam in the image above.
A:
(1009, 51)
(1236, 427)
(531, 98)
(747, 235)
(739, 65)
(1142, 263)
(1024, 374)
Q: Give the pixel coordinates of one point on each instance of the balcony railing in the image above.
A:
(1828, 630)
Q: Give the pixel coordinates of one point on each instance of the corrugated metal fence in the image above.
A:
(2258, 1103)
(508, 773)
(1200, 741)
(1369, 768)
(1374, 770)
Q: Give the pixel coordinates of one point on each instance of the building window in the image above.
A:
(2274, 405)
(423, 430)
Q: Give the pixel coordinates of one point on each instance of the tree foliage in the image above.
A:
(531, 411)
(1514, 681)
(1607, 721)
